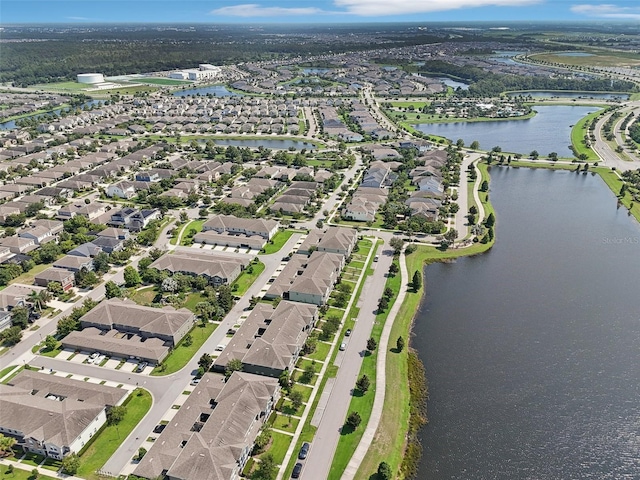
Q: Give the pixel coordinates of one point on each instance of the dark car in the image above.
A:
(304, 450)
(159, 428)
(297, 470)
(347, 333)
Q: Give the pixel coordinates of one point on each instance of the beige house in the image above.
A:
(54, 416)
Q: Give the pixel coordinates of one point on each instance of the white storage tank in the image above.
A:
(90, 78)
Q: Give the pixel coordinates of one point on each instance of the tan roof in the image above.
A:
(155, 321)
(224, 414)
(51, 408)
(201, 264)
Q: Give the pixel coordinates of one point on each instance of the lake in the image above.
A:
(280, 144)
(531, 350)
(11, 124)
(216, 90)
(558, 94)
(552, 123)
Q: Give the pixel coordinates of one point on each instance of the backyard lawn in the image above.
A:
(277, 242)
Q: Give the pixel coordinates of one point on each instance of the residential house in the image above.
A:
(217, 269)
(64, 277)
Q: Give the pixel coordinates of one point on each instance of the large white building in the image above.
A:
(204, 71)
(90, 78)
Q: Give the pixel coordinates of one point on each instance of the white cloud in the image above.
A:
(606, 10)
(374, 8)
(255, 10)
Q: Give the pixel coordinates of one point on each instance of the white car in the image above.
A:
(343, 347)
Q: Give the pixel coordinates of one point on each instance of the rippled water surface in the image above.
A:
(532, 351)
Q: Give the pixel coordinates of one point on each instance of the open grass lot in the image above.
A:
(73, 87)
(124, 91)
(162, 81)
(19, 474)
(416, 105)
(322, 350)
(277, 242)
(144, 296)
(597, 59)
(181, 355)
(108, 439)
(279, 445)
(247, 277)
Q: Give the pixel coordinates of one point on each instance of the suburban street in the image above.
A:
(604, 150)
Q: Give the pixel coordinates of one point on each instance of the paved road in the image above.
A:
(326, 439)
(602, 148)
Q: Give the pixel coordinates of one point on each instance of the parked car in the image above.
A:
(304, 450)
(141, 367)
(159, 428)
(343, 347)
(94, 355)
(347, 333)
(297, 470)
(219, 348)
(195, 381)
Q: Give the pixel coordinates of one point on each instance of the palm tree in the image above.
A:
(6, 445)
(39, 299)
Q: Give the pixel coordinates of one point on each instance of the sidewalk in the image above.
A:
(42, 471)
(378, 401)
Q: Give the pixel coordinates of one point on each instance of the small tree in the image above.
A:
(384, 471)
(400, 344)
(234, 365)
(416, 282)
(262, 440)
(372, 344)
(50, 343)
(205, 362)
(35, 474)
(111, 290)
(131, 277)
(393, 269)
(71, 464)
(188, 340)
(363, 384)
(267, 469)
(383, 303)
(116, 414)
(396, 243)
(353, 420)
(296, 399)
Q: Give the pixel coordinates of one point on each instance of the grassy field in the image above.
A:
(277, 242)
(279, 445)
(246, 279)
(596, 59)
(578, 132)
(144, 296)
(107, 441)
(181, 354)
(162, 81)
(73, 87)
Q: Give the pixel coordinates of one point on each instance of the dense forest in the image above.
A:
(40, 55)
(487, 84)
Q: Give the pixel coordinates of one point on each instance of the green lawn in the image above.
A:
(190, 230)
(28, 277)
(279, 445)
(322, 350)
(162, 81)
(277, 242)
(578, 132)
(96, 453)
(282, 422)
(52, 464)
(19, 474)
(181, 355)
(193, 299)
(67, 86)
(6, 370)
(246, 279)
(144, 296)
(32, 459)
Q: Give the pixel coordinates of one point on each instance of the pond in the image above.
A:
(11, 124)
(552, 123)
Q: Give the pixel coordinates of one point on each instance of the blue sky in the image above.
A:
(321, 11)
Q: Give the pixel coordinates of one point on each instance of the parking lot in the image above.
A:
(103, 361)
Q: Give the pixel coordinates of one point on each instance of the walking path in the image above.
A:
(378, 401)
(42, 471)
